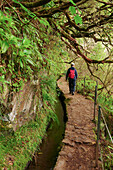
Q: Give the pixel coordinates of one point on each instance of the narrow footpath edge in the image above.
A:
(79, 143)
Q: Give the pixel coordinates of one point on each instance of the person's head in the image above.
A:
(72, 64)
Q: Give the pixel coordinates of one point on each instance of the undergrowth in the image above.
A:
(17, 148)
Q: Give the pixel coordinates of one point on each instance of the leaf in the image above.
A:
(21, 64)
(30, 61)
(21, 53)
(7, 8)
(36, 18)
(4, 46)
(31, 14)
(26, 42)
(72, 9)
(110, 147)
(43, 21)
(1, 31)
(72, 2)
(16, 1)
(78, 19)
(27, 52)
(75, 5)
(2, 79)
(18, 44)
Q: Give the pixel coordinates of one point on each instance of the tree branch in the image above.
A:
(101, 22)
(49, 12)
(75, 45)
(33, 4)
(96, 77)
(106, 3)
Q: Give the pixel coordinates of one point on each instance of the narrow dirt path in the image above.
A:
(78, 151)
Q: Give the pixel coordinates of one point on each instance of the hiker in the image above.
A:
(72, 74)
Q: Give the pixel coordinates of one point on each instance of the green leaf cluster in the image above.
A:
(18, 52)
(106, 101)
(73, 9)
(48, 86)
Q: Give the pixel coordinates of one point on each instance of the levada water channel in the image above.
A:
(46, 158)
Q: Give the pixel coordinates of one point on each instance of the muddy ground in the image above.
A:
(79, 144)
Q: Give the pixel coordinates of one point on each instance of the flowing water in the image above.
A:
(46, 158)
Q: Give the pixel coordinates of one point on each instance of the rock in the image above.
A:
(70, 155)
(60, 165)
(68, 142)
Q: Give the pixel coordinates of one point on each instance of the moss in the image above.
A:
(17, 148)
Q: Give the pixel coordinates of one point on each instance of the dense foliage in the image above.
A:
(85, 27)
(34, 36)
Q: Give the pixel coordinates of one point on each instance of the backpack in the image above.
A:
(72, 74)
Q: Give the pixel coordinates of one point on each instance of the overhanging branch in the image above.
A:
(74, 43)
(104, 86)
(33, 4)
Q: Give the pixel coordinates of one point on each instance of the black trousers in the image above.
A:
(72, 84)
